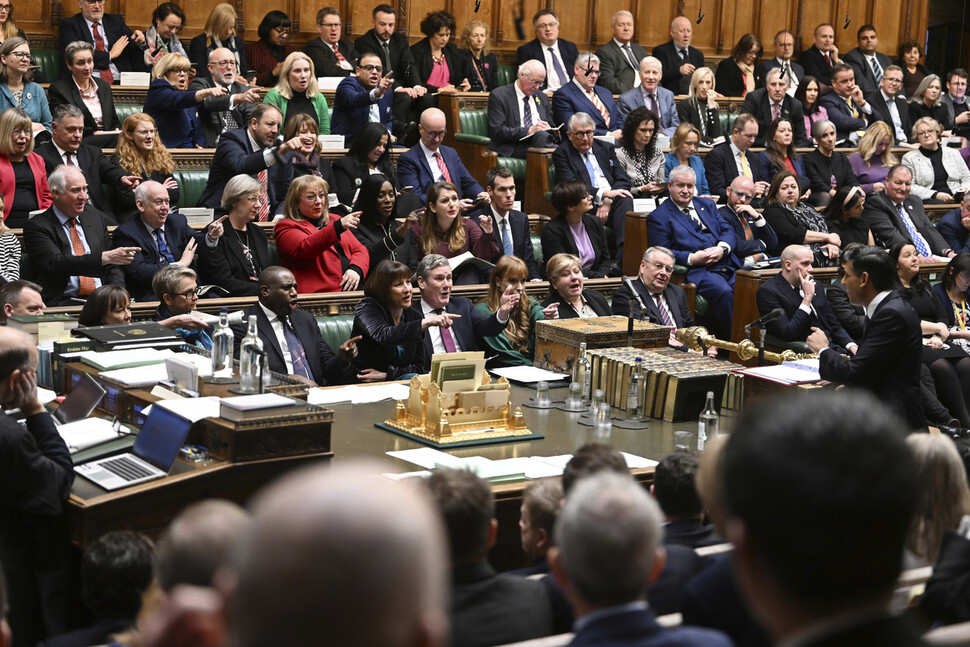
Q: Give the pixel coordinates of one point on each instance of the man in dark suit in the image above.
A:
(869, 65)
(773, 102)
(164, 238)
(581, 157)
(291, 337)
(819, 59)
(678, 58)
(18, 298)
(820, 491)
(674, 487)
(233, 109)
(730, 159)
(955, 227)
(583, 95)
(512, 226)
(518, 111)
(955, 100)
(701, 240)
(664, 303)
(116, 47)
(895, 216)
(363, 98)
(793, 290)
(891, 104)
(431, 162)
(331, 55)
(468, 325)
(557, 54)
(66, 147)
(790, 70)
(658, 99)
(756, 239)
(67, 260)
(80, 61)
(35, 481)
(606, 576)
(251, 150)
(620, 58)
(848, 110)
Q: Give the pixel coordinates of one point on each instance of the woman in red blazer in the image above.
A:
(23, 176)
(318, 246)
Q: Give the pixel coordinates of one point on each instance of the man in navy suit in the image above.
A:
(756, 239)
(701, 240)
(660, 100)
(606, 575)
(955, 227)
(675, 489)
(229, 111)
(793, 289)
(620, 57)
(678, 58)
(891, 104)
(847, 107)
(869, 65)
(363, 98)
(790, 70)
(583, 95)
(581, 157)
(515, 237)
(730, 159)
(519, 116)
(430, 162)
(896, 216)
(116, 47)
(164, 238)
(773, 102)
(557, 54)
(819, 59)
(324, 51)
(251, 150)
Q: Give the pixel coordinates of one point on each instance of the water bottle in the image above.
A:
(250, 358)
(583, 371)
(222, 346)
(636, 391)
(707, 423)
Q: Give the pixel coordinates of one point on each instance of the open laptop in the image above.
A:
(153, 453)
(80, 402)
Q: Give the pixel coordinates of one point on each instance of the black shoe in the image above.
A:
(411, 135)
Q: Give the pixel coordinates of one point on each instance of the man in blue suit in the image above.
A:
(252, 150)
(606, 575)
(362, 99)
(660, 100)
(557, 54)
(701, 240)
(583, 95)
(430, 162)
(519, 116)
(848, 110)
(515, 237)
(955, 227)
(731, 159)
(756, 239)
(119, 50)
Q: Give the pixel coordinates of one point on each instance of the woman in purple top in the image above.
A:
(575, 230)
(874, 158)
(808, 93)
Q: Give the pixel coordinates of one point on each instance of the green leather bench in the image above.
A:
(125, 110)
(473, 128)
(191, 185)
(506, 74)
(335, 330)
(49, 61)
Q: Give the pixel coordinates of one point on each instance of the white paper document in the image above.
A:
(193, 409)
(527, 374)
(359, 394)
(85, 433)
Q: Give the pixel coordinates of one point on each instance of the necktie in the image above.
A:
(387, 58)
(654, 104)
(852, 108)
(263, 213)
(106, 75)
(775, 110)
(336, 52)
(591, 171)
(557, 67)
(828, 61)
(629, 57)
(664, 312)
(694, 218)
(85, 283)
(876, 69)
(598, 104)
(445, 175)
(68, 160)
(749, 235)
(228, 121)
(163, 250)
(526, 114)
(507, 237)
(786, 72)
(745, 169)
(446, 338)
(297, 353)
(683, 55)
(922, 247)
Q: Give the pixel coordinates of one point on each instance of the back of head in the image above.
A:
(590, 459)
(943, 495)
(115, 572)
(874, 261)
(337, 551)
(674, 485)
(825, 487)
(196, 543)
(467, 507)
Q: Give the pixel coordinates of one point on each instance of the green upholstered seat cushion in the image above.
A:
(506, 74)
(191, 185)
(537, 251)
(49, 61)
(335, 330)
(125, 110)
(797, 346)
(516, 165)
(473, 122)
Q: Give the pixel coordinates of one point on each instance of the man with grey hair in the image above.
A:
(773, 102)
(519, 115)
(461, 326)
(605, 575)
(176, 289)
(665, 303)
(68, 244)
(620, 58)
(792, 72)
(649, 93)
(583, 95)
(231, 110)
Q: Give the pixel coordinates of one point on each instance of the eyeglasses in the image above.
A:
(583, 134)
(330, 25)
(532, 82)
(373, 68)
(229, 63)
(5, 7)
(145, 133)
(547, 25)
(282, 31)
(313, 197)
(924, 133)
(93, 1)
(254, 199)
(435, 134)
(20, 55)
(179, 71)
(669, 269)
(189, 294)
(892, 79)
(746, 196)
(22, 131)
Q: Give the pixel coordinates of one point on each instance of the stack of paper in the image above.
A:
(106, 361)
(86, 433)
(359, 394)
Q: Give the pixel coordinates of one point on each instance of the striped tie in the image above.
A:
(85, 283)
(599, 106)
(263, 213)
(664, 312)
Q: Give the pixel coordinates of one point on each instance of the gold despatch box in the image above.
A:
(557, 340)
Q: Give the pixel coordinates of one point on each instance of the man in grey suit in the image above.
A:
(620, 58)
(230, 111)
(792, 71)
(869, 65)
(519, 115)
(658, 99)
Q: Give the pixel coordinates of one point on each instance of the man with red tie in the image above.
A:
(331, 55)
(582, 94)
(117, 48)
(819, 59)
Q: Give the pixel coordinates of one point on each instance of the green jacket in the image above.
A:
(502, 347)
(319, 103)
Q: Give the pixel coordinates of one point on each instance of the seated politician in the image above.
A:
(827, 169)
(173, 106)
(656, 98)
(297, 92)
(307, 158)
(955, 226)
(683, 149)
(640, 155)
(20, 298)
(582, 94)
(797, 223)
(519, 115)
(565, 272)
(318, 246)
(844, 217)
(110, 305)
(384, 237)
(89, 93)
(665, 303)
(939, 172)
(574, 231)
(142, 153)
(365, 97)
(370, 154)
(177, 291)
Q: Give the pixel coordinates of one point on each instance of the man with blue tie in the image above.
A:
(700, 239)
(512, 226)
(557, 54)
(583, 95)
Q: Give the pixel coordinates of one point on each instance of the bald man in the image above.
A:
(678, 58)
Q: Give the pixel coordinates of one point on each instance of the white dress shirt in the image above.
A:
(533, 111)
(552, 79)
(277, 325)
(436, 344)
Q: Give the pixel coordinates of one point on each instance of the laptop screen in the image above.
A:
(161, 437)
(80, 402)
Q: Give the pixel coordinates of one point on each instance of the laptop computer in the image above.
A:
(80, 402)
(155, 450)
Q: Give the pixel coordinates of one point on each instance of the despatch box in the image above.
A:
(557, 340)
(261, 438)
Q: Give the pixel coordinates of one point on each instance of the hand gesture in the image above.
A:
(170, 183)
(510, 299)
(444, 320)
(118, 47)
(249, 96)
(807, 282)
(130, 181)
(551, 311)
(348, 350)
(351, 220)
(386, 82)
(138, 36)
(371, 375)
(486, 223)
(23, 394)
(216, 229)
(817, 341)
(119, 255)
(189, 254)
(185, 322)
(350, 281)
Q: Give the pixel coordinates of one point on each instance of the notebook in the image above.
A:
(80, 402)
(153, 453)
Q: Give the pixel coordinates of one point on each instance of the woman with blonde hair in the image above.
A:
(700, 107)
(516, 345)
(8, 26)
(683, 146)
(943, 496)
(297, 92)
(874, 157)
(481, 66)
(173, 106)
(141, 153)
(307, 159)
(219, 31)
(566, 291)
(23, 175)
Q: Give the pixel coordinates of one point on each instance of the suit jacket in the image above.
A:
(852, 317)
(617, 74)
(729, 79)
(487, 67)
(815, 65)
(796, 324)
(557, 238)
(692, 533)
(112, 27)
(393, 349)
(707, 120)
(887, 362)
(175, 113)
(570, 165)
(318, 258)
(864, 76)
(325, 61)
(212, 109)
(669, 227)
(841, 116)
(401, 61)
(8, 182)
(669, 117)
(133, 233)
(225, 264)
(413, 170)
(954, 233)
(570, 99)
(758, 103)
(671, 62)
(521, 239)
(639, 628)
(423, 65)
(960, 130)
(201, 46)
(351, 108)
(820, 170)
(879, 104)
(98, 170)
(503, 121)
(947, 596)
(712, 599)
(52, 259)
(765, 239)
(721, 168)
(533, 50)
(596, 301)
(65, 90)
(234, 156)
(889, 631)
(468, 329)
(761, 72)
(888, 228)
(676, 304)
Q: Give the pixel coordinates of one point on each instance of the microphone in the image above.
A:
(700, 16)
(517, 19)
(771, 316)
(589, 68)
(478, 5)
(636, 295)
(847, 20)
